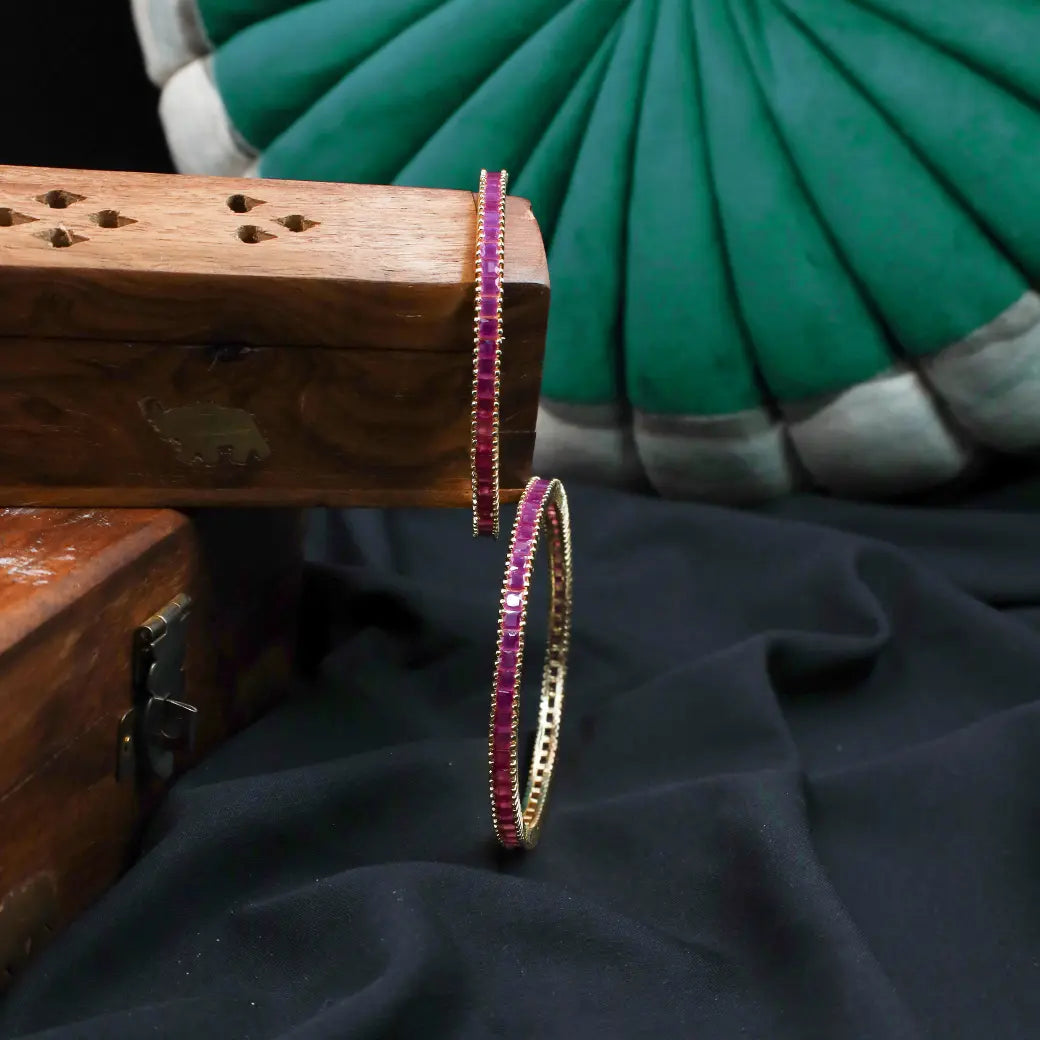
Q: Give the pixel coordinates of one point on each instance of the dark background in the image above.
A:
(74, 88)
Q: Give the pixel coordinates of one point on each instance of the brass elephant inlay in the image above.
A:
(209, 434)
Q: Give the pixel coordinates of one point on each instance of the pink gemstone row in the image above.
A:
(525, 541)
(489, 271)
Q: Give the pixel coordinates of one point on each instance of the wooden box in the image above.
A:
(185, 341)
(122, 634)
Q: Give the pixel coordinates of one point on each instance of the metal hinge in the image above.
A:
(160, 723)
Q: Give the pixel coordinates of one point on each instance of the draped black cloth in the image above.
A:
(798, 797)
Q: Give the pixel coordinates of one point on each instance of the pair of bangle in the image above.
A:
(542, 513)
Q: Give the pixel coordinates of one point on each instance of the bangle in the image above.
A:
(487, 352)
(543, 508)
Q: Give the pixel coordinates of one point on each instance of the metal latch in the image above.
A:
(160, 723)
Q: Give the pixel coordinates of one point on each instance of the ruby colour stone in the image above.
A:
(511, 619)
(511, 640)
(488, 307)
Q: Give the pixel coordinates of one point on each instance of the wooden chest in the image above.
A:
(131, 642)
(186, 341)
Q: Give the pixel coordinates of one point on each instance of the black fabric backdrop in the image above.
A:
(799, 797)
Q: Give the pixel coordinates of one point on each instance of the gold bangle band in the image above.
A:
(487, 352)
(543, 511)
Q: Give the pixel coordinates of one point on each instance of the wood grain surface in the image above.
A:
(168, 258)
(73, 588)
(154, 353)
(114, 424)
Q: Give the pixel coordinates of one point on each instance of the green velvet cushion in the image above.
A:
(792, 242)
